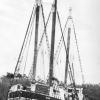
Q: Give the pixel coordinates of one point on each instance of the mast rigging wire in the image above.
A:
(73, 80)
(45, 25)
(22, 49)
(61, 31)
(78, 53)
(29, 44)
(75, 40)
(60, 43)
(44, 32)
(45, 28)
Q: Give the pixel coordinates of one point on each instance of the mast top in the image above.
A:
(38, 2)
(54, 5)
(70, 13)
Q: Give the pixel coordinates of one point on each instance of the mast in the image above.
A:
(67, 55)
(36, 38)
(52, 42)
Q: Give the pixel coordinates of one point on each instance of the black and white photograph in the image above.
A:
(49, 50)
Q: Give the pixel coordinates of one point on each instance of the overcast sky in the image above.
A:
(14, 17)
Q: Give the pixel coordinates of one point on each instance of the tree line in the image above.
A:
(91, 91)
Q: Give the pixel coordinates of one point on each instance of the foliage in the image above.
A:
(92, 92)
(7, 81)
(10, 75)
(3, 91)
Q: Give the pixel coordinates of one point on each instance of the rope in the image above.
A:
(76, 43)
(60, 43)
(17, 68)
(78, 52)
(73, 71)
(45, 25)
(44, 32)
(73, 80)
(66, 51)
(29, 44)
(70, 76)
(62, 32)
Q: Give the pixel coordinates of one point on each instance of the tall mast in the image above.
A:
(52, 42)
(67, 55)
(36, 38)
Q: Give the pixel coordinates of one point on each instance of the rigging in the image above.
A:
(78, 53)
(17, 68)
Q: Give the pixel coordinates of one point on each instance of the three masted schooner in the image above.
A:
(52, 89)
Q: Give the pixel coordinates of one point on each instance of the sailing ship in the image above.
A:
(51, 89)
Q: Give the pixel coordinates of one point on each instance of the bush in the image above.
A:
(92, 91)
(9, 80)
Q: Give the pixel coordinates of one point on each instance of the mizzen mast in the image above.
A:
(67, 55)
(68, 48)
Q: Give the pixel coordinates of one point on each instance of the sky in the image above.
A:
(14, 17)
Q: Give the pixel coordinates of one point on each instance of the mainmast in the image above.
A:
(36, 38)
(67, 55)
(52, 42)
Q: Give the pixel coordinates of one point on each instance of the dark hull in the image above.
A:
(30, 95)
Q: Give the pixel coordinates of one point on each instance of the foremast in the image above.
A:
(36, 38)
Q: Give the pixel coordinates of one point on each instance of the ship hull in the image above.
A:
(23, 95)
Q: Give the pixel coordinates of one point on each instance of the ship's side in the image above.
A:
(36, 91)
(40, 91)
